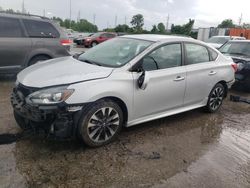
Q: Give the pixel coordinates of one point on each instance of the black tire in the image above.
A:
(94, 43)
(38, 58)
(247, 85)
(22, 122)
(88, 125)
(215, 98)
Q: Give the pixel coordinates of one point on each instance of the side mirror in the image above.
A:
(76, 55)
(143, 80)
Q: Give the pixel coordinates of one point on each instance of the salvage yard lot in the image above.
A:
(192, 149)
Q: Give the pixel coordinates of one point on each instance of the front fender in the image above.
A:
(90, 91)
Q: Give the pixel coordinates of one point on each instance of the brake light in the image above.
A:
(235, 67)
(65, 42)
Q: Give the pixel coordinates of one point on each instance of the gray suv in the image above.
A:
(27, 39)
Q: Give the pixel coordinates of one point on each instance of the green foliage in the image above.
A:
(137, 22)
(227, 23)
(122, 28)
(246, 26)
(154, 29)
(184, 29)
(161, 28)
(81, 26)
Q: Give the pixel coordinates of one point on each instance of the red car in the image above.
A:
(98, 38)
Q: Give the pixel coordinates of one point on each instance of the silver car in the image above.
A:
(123, 82)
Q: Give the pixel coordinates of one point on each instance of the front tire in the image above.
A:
(215, 98)
(93, 44)
(100, 123)
(23, 123)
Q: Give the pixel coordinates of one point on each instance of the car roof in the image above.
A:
(222, 36)
(243, 41)
(157, 38)
(23, 16)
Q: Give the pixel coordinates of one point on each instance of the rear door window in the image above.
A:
(40, 29)
(11, 28)
(196, 53)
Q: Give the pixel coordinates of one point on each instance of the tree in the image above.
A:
(161, 28)
(122, 28)
(246, 26)
(227, 23)
(137, 22)
(154, 29)
(185, 29)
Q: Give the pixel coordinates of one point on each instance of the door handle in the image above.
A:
(179, 78)
(212, 73)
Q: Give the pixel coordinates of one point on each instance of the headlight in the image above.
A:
(50, 96)
(240, 66)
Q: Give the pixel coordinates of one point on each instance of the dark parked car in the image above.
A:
(80, 40)
(98, 38)
(239, 50)
(27, 39)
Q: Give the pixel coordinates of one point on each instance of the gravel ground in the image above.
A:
(192, 149)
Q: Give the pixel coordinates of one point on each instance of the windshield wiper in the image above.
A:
(90, 62)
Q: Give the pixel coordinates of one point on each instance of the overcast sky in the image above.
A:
(205, 12)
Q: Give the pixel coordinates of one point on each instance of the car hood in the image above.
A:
(60, 71)
(215, 45)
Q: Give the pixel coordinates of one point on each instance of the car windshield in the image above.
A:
(115, 52)
(236, 48)
(96, 35)
(218, 40)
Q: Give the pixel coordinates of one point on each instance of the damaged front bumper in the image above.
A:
(58, 120)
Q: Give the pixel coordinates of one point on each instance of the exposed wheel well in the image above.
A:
(122, 105)
(37, 56)
(224, 83)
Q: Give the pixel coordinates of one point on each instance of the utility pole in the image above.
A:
(240, 19)
(167, 23)
(125, 20)
(23, 8)
(79, 16)
(70, 14)
(44, 12)
(94, 17)
(115, 20)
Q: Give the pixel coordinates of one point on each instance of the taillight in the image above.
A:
(235, 67)
(65, 42)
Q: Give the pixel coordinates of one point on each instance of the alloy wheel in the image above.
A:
(103, 124)
(216, 98)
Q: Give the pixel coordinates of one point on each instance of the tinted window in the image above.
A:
(164, 57)
(109, 35)
(40, 29)
(236, 48)
(218, 40)
(10, 27)
(196, 54)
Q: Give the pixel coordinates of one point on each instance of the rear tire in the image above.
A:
(100, 123)
(215, 98)
(38, 58)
